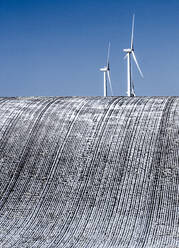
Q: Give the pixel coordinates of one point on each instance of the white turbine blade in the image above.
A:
(110, 84)
(132, 35)
(109, 46)
(125, 57)
(138, 67)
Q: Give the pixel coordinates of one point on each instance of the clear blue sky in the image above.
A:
(56, 47)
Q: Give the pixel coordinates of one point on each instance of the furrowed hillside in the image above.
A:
(89, 172)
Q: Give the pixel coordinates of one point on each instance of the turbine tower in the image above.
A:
(129, 52)
(106, 71)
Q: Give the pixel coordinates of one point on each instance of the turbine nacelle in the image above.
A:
(128, 50)
(104, 69)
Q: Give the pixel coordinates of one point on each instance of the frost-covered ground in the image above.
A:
(89, 172)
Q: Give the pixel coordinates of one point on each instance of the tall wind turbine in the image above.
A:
(130, 51)
(106, 71)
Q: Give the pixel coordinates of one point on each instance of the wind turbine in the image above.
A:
(106, 70)
(129, 52)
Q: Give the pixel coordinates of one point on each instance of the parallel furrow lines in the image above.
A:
(87, 177)
(155, 200)
(28, 180)
(53, 168)
(24, 154)
(89, 172)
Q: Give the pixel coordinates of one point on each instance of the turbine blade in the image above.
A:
(109, 46)
(132, 35)
(110, 84)
(125, 57)
(138, 67)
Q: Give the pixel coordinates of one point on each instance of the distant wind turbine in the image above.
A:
(106, 71)
(129, 51)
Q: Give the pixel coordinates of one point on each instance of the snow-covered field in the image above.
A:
(89, 172)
